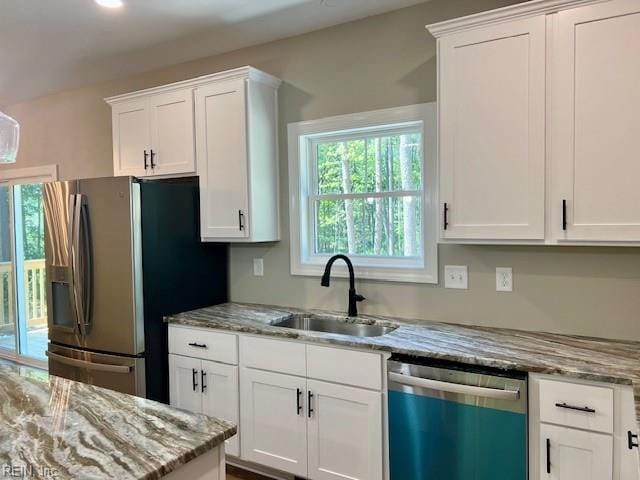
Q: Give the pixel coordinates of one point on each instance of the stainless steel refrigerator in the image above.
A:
(122, 253)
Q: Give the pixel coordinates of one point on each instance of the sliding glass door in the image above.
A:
(23, 305)
(7, 298)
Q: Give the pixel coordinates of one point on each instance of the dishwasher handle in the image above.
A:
(495, 393)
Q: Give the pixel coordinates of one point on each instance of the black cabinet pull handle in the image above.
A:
(564, 215)
(309, 404)
(194, 379)
(633, 440)
(548, 455)
(240, 220)
(446, 215)
(203, 387)
(198, 345)
(153, 165)
(572, 407)
(144, 157)
(298, 404)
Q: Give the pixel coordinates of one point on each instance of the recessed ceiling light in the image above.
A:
(109, 3)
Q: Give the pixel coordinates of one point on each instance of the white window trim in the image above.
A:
(372, 269)
(18, 176)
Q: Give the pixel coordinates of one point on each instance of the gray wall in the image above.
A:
(379, 62)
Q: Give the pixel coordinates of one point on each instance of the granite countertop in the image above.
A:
(595, 359)
(57, 428)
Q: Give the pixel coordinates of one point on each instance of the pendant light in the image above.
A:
(9, 138)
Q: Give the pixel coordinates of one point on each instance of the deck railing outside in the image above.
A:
(6, 297)
(34, 294)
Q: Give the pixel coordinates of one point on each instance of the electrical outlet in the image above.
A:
(258, 267)
(456, 276)
(504, 279)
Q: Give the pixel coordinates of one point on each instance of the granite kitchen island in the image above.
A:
(52, 427)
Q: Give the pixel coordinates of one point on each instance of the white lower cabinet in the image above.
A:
(274, 428)
(206, 387)
(344, 432)
(580, 430)
(311, 428)
(571, 454)
(220, 397)
(184, 386)
(313, 411)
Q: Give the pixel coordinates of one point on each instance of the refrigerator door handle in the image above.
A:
(73, 253)
(85, 273)
(102, 367)
(80, 262)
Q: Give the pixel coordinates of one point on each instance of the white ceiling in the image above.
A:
(51, 45)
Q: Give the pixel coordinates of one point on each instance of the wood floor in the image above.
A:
(234, 473)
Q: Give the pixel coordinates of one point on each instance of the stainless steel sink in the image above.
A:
(330, 324)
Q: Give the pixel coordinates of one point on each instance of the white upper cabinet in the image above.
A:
(595, 134)
(131, 137)
(236, 144)
(539, 110)
(222, 153)
(221, 127)
(153, 135)
(172, 142)
(492, 123)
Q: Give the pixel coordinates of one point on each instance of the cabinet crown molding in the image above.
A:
(246, 72)
(505, 14)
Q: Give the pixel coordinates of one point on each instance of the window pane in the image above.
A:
(30, 262)
(7, 311)
(383, 227)
(378, 164)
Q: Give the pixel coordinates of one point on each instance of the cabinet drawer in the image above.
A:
(205, 344)
(360, 369)
(574, 405)
(275, 355)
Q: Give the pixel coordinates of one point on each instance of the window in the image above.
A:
(23, 305)
(364, 185)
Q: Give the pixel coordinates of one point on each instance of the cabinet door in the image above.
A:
(131, 138)
(627, 461)
(274, 429)
(575, 454)
(172, 133)
(221, 146)
(492, 132)
(219, 385)
(184, 383)
(345, 432)
(596, 113)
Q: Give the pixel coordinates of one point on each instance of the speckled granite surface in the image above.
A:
(577, 357)
(52, 427)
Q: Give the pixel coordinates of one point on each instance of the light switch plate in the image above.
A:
(258, 267)
(456, 276)
(504, 279)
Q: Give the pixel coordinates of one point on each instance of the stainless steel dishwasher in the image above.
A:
(456, 423)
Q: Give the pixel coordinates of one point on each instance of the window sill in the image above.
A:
(406, 275)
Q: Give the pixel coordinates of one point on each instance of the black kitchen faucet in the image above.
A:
(353, 296)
